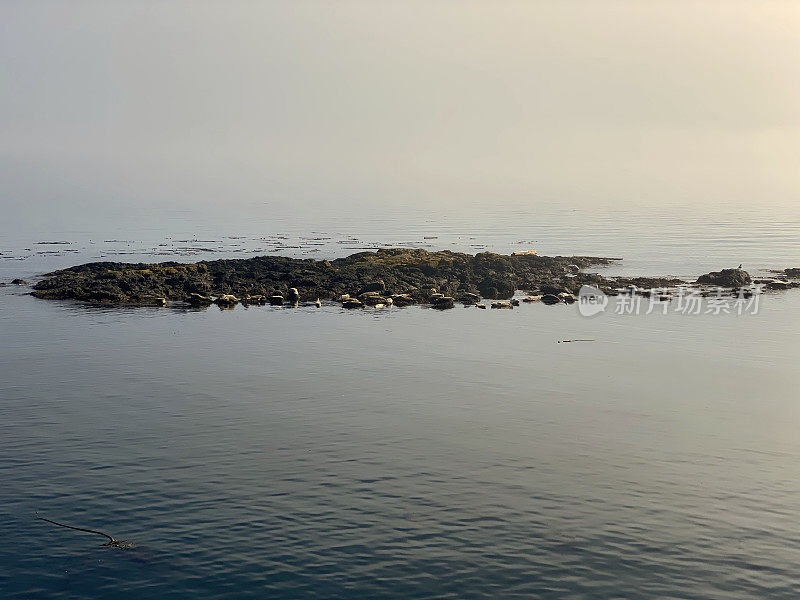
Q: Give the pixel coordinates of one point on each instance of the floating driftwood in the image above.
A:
(111, 540)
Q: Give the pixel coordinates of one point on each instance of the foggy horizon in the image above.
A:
(252, 107)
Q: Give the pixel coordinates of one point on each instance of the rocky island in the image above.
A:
(387, 276)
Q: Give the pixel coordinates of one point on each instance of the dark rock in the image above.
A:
(443, 302)
(19, 282)
(514, 302)
(292, 295)
(550, 299)
(793, 273)
(407, 272)
(732, 278)
(639, 283)
(276, 300)
(469, 298)
(552, 290)
(778, 285)
(497, 287)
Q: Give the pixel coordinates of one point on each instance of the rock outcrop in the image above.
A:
(729, 278)
(405, 275)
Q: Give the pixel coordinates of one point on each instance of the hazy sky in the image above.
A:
(141, 105)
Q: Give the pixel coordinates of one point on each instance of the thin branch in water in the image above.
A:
(112, 541)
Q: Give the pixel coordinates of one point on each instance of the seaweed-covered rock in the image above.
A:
(468, 298)
(730, 278)
(410, 274)
(552, 290)
(444, 302)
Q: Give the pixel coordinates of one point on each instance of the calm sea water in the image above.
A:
(406, 453)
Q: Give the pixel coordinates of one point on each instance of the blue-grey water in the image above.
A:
(405, 453)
